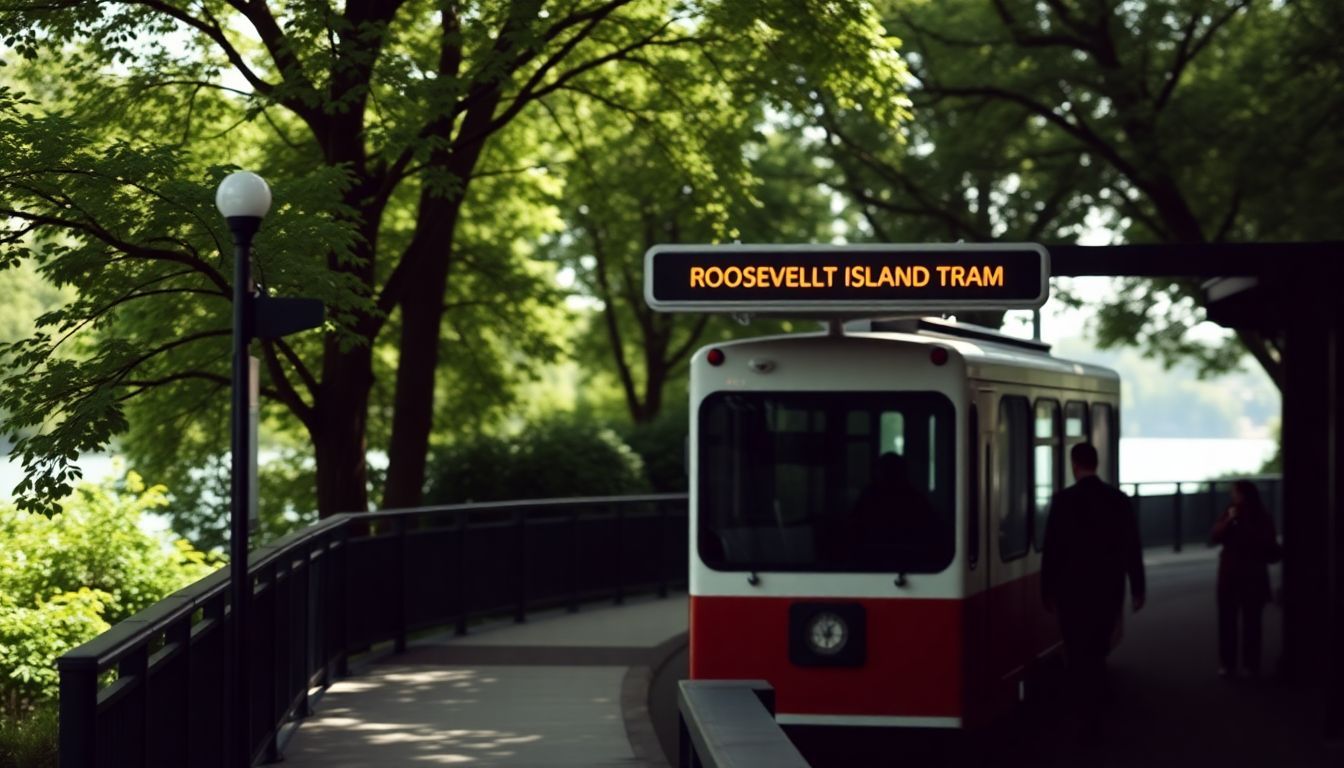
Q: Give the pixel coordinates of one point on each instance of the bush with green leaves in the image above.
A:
(33, 636)
(553, 456)
(29, 741)
(64, 579)
(662, 445)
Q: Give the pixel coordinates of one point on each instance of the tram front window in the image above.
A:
(834, 481)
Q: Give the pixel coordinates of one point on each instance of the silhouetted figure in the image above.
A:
(1246, 532)
(893, 525)
(1091, 545)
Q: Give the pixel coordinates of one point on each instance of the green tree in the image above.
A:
(1178, 121)
(633, 185)
(386, 119)
(615, 214)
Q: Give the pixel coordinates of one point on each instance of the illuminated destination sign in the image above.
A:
(818, 279)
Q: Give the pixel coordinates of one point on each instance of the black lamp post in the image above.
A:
(243, 198)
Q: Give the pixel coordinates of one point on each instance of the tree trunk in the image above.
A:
(340, 423)
(421, 317)
(421, 299)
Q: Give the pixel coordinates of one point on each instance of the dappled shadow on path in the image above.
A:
(488, 716)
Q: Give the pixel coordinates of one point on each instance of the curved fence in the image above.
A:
(148, 692)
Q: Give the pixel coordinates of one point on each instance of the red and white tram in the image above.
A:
(868, 503)
(931, 621)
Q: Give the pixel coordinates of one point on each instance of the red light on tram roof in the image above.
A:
(715, 357)
(938, 355)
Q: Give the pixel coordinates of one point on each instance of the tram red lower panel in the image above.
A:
(913, 666)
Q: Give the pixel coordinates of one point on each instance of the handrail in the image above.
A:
(731, 724)
(334, 589)
(544, 503)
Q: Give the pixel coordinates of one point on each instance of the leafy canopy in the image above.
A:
(418, 150)
(1177, 121)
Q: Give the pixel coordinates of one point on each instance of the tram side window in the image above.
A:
(973, 490)
(1075, 431)
(1048, 454)
(1106, 439)
(1013, 445)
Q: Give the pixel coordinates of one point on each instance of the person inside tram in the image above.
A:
(1249, 544)
(893, 522)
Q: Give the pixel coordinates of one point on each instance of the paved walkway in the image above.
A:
(561, 690)
(573, 690)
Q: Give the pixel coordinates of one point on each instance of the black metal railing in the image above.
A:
(148, 691)
(1177, 514)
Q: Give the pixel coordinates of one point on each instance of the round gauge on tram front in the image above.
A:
(827, 634)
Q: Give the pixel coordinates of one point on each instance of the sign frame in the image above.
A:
(840, 307)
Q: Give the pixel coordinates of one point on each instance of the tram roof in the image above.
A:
(976, 344)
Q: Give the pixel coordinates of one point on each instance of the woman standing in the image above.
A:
(1246, 532)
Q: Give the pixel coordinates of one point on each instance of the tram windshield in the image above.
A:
(827, 481)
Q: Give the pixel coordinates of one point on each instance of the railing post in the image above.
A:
(619, 553)
(276, 673)
(135, 665)
(1213, 502)
(661, 509)
(399, 523)
(1176, 520)
(341, 601)
(463, 603)
(304, 706)
(79, 712)
(686, 756)
(574, 561)
(180, 635)
(520, 571)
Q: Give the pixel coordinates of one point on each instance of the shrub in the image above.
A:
(33, 636)
(554, 456)
(66, 578)
(29, 741)
(661, 444)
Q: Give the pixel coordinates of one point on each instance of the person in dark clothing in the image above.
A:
(1091, 546)
(1246, 532)
(893, 525)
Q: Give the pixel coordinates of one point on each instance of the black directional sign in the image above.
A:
(847, 278)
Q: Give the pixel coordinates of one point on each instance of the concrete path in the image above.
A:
(574, 690)
(561, 690)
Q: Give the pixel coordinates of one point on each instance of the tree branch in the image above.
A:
(1078, 131)
(677, 355)
(927, 207)
(285, 392)
(127, 249)
(305, 375)
(529, 92)
(212, 30)
(1185, 52)
(1025, 40)
(1230, 218)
